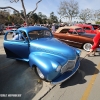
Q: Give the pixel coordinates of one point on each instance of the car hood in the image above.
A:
(88, 35)
(53, 46)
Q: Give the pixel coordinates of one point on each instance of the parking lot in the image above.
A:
(18, 78)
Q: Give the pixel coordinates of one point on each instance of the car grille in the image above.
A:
(69, 65)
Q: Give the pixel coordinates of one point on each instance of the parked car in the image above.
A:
(75, 36)
(10, 31)
(95, 26)
(52, 59)
(88, 28)
(10, 28)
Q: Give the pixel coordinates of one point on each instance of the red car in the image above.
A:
(95, 26)
(11, 28)
(88, 28)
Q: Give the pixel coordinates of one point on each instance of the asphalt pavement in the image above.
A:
(17, 78)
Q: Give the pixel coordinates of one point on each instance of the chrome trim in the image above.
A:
(70, 41)
(65, 67)
(54, 83)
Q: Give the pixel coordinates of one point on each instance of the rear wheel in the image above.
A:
(87, 46)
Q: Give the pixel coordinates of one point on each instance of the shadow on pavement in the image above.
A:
(86, 68)
(16, 77)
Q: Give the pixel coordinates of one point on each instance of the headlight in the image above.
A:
(58, 68)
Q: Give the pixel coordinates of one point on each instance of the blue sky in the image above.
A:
(48, 6)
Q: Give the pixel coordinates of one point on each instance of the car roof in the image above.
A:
(66, 27)
(32, 28)
(84, 25)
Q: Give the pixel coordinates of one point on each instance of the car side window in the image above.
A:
(33, 35)
(14, 36)
(74, 32)
(87, 28)
(36, 34)
(18, 37)
(70, 31)
(24, 35)
(64, 31)
(9, 36)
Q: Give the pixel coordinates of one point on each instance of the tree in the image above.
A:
(85, 15)
(96, 15)
(4, 16)
(53, 18)
(35, 18)
(40, 14)
(68, 9)
(42, 18)
(25, 19)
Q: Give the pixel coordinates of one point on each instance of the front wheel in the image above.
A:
(39, 73)
(87, 46)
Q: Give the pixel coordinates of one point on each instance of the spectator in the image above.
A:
(17, 36)
(53, 28)
(25, 24)
(48, 26)
(1, 28)
(96, 41)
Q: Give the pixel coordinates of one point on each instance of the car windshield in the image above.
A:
(80, 31)
(39, 34)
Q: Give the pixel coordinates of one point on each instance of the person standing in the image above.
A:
(96, 42)
(25, 24)
(17, 36)
(1, 29)
(53, 29)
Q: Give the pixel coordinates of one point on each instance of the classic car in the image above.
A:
(10, 28)
(95, 26)
(88, 28)
(75, 36)
(53, 60)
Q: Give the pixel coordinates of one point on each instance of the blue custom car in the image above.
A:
(53, 60)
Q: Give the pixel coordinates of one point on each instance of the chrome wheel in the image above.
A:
(87, 46)
(39, 73)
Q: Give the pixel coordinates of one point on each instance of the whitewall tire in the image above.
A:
(39, 73)
(87, 46)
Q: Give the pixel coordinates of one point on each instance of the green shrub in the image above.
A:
(97, 22)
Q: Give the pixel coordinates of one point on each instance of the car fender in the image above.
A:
(45, 63)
